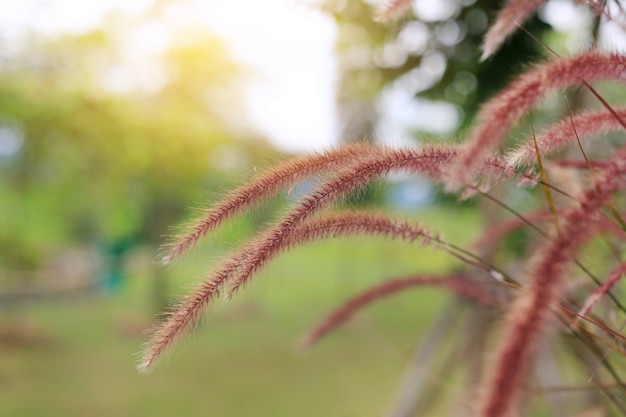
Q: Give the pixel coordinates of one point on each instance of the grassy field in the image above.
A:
(242, 361)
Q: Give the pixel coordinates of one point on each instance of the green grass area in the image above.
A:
(242, 360)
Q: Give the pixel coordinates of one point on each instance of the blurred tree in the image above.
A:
(81, 162)
(431, 51)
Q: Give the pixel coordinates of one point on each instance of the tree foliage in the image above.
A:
(81, 162)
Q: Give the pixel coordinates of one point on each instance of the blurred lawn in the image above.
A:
(242, 361)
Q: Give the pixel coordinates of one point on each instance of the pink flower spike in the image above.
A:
(514, 13)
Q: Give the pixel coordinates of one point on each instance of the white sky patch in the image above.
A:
(58, 17)
(435, 10)
(565, 16)
(291, 46)
(613, 28)
(577, 20)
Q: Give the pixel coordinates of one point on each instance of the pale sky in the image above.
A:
(291, 46)
(288, 45)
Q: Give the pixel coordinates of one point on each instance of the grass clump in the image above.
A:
(518, 305)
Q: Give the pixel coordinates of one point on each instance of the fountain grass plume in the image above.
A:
(562, 134)
(499, 114)
(514, 12)
(460, 285)
(427, 161)
(237, 269)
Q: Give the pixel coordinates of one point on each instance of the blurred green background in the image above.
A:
(94, 173)
(74, 356)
